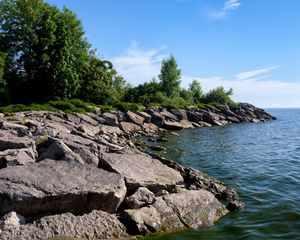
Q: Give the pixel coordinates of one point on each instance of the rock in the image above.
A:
(204, 124)
(135, 118)
(60, 151)
(146, 116)
(17, 129)
(161, 193)
(130, 127)
(88, 129)
(84, 118)
(157, 217)
(180, 114)
(140, 198)
(172, 125)
(140, 170)
(150, 127)
(186, 124)
(51, 187)
(235, 206)
(110, 119)
(9, 141)
(168, 115)
(189, 209)
(197, 180)
(157, 148)
(11, 221)
(156, 118)
(194, 116)
(94, 225)
(14, 157)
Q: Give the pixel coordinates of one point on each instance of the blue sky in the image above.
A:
(250, 45)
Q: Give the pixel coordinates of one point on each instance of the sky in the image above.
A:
(252, 46)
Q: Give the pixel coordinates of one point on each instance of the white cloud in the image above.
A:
(137, 65)
(257, 74)
(259, 93)
(228, 7)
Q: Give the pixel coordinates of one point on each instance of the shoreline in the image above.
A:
(70, 169)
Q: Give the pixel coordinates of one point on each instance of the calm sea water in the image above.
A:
(262, 161)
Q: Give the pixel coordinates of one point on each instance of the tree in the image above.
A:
(170, 77)
(218, 95)
(3, 86)
(196, 91)
(47, 52)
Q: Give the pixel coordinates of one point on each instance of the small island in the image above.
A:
(71, 162)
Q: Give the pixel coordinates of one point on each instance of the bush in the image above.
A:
(126, 106)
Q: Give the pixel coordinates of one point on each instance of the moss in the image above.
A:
(41, 141)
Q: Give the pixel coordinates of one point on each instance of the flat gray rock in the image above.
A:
(140, 170)
(51, 187)
(94, 225)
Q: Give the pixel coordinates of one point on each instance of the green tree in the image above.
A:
(47, 52)
(170, 77)
(196, 91)
(3, 87)
(218, 95)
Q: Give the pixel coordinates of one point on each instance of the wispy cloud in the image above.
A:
(229, 6)
(138, 65)
(257, 74)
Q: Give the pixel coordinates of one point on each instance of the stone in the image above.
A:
(146, 116)
(186, 124)
(10, 141)
(135, 118)
(150, 127)
(110, 119)
(94, 225)
(17, 129)
(59, 151)
(156, 118)
(140, 170)
(51, 187)
(14, 157)
(196, 208)
(194, 116)
(168, 115)
(11, 221)
(88, 129)
(130, 127)
(172, 125)
(84, 118)
(177, 211)
(140, 198)
(180, 114)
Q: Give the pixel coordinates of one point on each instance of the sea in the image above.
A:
(260, 160)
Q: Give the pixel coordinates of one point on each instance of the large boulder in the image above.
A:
(11, 141)
(130, 127)
(172, 125)
(94, 225)
(188, 209)
(140, 170)
(180, 114)
(51, 187)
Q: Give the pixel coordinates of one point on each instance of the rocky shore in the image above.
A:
(85, 176)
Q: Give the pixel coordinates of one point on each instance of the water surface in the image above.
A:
(262, 161)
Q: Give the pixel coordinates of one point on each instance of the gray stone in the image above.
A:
(180, 114)
(172, 125)
(146, 116)
(135, 118)
(140, 170)
(140, 198)
(110, 119)
(14, 157)
(168, 115)
(10, 141)
(51, 187)
(178, 211)
(11, 221)
(130, 127)
(94, 225)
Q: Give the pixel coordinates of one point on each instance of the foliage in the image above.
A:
(196, 91)
(218, 95)
(170, 77)
(46, 50)
(4, 95)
